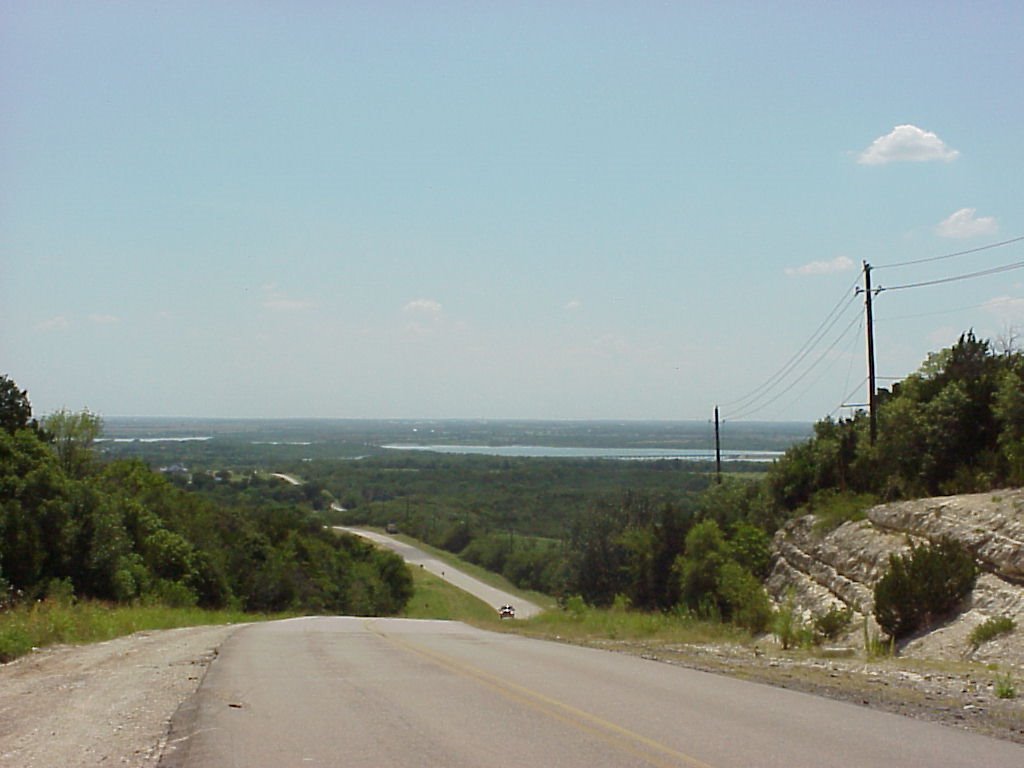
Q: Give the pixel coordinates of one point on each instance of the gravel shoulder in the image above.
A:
(105, 704)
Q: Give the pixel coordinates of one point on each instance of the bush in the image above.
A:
(922, 586)
(1004, 688)
(748, 603)
(829, 626)
(576, 607)
(787, 624)
(991, 629)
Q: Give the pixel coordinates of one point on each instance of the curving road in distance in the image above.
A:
(460, 579)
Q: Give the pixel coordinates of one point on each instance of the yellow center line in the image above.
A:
(611, 733)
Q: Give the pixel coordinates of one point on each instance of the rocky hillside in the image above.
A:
(822, 570)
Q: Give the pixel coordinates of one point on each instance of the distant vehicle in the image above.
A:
(507, 612)
(392, 528)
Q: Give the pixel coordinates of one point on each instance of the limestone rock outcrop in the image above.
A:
(839, 568)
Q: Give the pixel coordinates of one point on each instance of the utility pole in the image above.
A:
(872, 410)
(718, 451)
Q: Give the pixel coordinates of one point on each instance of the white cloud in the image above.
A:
(426, 317)
(838, 264)
(423, 307)
(105, 319)
(58, 323)
(276, 301)
(907, 143)
(573, 305)
(964, 224)
(1009, 309)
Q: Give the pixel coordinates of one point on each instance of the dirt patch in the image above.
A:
(105, 704)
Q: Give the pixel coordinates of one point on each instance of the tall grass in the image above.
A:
(51, 622)
(581, 623)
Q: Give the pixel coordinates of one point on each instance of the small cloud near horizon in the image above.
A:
(58, 323)
(573, 304)
(964, 223)
(275, 300)
(838, 264)
(426, 317)
(908, 144)
(423, 307)
(1009, 309)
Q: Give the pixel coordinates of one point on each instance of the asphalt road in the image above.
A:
(382, 693)
(465, 582)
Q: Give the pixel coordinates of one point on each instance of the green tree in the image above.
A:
(598, 568)
(716, 578)
(744, 598)
(15, 409)
(751, 547)
(1009, 412)
(34, 507)
(73, 435)
(699, 566)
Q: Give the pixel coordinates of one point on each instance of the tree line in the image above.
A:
(954, 426)
(121, 532)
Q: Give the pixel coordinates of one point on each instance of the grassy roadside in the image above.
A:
(490, 578)
(577, 622)
(435, 598)
(52, 622)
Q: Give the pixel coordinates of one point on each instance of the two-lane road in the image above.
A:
(460, 579)
(395, 692)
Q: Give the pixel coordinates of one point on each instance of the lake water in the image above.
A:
(565, 452)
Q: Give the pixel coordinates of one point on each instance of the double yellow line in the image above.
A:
(653, 752)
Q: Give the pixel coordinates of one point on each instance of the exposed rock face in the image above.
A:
(840, 568)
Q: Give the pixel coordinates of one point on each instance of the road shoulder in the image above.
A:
(102, 704)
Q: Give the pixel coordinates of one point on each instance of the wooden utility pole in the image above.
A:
(872, 410)
(718, 451)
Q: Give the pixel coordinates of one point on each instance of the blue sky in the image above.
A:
(499, 210)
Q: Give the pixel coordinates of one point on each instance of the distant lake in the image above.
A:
(566, 452)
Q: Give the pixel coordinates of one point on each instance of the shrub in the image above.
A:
(991, 629)
(922, 586)
(1004, 688)
(787, 624)
(576, 607)
(745, 597)
(831, 625)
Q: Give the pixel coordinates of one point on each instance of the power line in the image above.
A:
(751, 402)
(847, 351)
(951, 255)
(756, 409)
(956, 278)
(800, 354)
(842, 403)
(948, 311)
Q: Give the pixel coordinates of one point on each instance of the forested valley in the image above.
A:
(73, 524)
(654, 535)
